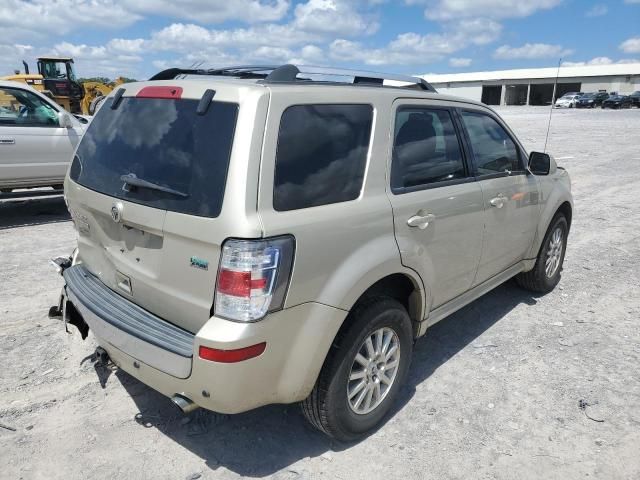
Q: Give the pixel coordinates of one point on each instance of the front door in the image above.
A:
(33, 146)
(437, 204)
(510, 193)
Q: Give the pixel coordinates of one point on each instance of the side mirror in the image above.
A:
(81, 119)
(539, 163)
(64, 120)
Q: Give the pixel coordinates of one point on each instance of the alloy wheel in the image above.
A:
(554, 253)
(373, 371)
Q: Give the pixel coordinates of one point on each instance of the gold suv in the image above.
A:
(258, 235)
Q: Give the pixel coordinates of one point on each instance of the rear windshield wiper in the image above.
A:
(133, 181)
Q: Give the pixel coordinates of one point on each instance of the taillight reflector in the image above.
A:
(231, 356)
(238, 284)
(160, 92)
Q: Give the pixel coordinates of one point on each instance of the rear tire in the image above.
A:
(333, 406)
(545, 275)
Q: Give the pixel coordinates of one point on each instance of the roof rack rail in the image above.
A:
(289, 73)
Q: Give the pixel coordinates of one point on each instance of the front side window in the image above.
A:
(321, 156)
(425, 148)
(493, 150)
(25, 109)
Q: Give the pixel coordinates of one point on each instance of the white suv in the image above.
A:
(250, 235)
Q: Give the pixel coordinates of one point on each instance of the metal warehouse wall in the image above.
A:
(473, 90)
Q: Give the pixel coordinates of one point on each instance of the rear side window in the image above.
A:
(493, 150)
(163, 142)
(321, 156)
(426, 149)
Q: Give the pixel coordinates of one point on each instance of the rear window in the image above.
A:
(163, 142)
(321, 156)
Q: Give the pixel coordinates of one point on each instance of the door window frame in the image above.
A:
(43, 99)
(464, 154)
(523, 170)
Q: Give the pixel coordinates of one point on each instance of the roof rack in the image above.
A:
(272, 74)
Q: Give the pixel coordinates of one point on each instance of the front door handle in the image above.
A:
(421, 220)
(498, 201)
(7, 141)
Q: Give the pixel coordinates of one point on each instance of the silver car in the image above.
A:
(37, 138)
(250, 236)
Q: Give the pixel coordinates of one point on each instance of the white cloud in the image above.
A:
(632, 45)
(496, 9)
(11, 56)
(213, 11)
(600, 61)
(459, 62)
(22, 19)
(135, 45)
(415, 49)
(477, 31)
(531, 51)
(597, 11)
(333, 16)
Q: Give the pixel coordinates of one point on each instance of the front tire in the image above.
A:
(545, 275)
(366, 366)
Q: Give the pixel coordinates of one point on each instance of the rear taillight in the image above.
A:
(253, 277)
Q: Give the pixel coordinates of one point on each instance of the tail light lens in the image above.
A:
(253, 277)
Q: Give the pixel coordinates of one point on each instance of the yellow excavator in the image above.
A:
(56, 78)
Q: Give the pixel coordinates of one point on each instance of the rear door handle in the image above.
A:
(7, 141)
(498, 201)
(421, 221)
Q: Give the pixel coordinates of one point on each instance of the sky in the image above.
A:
(137, 38)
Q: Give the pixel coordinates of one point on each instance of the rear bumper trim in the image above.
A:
(127, 326)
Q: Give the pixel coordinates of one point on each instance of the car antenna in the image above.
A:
(555, 90)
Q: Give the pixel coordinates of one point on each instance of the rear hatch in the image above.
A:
(146, 191)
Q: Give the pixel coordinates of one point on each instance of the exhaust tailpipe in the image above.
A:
(184, 404)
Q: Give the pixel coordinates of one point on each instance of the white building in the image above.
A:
(536, 86)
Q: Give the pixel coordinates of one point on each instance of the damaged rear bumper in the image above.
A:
(166, 358)
(125, 325)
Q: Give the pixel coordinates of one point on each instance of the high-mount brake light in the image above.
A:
(253, 277)
(160, 92)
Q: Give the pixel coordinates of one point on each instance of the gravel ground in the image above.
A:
(494, 390)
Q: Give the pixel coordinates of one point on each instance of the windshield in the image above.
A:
(71, 72)
(165, 146)
(588, 95)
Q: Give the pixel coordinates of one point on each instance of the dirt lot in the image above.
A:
(494, 390)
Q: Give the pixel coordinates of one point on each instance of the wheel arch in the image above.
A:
(405, 287)
(559, 200)
(567, 210)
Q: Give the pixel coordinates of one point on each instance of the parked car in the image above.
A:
(37, 138)
(591, 100)
(635, 98)
(617, 101)
(567, 101)
(247, 237)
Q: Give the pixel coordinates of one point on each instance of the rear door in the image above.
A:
(437, 204)
(159, 245)
(510, 193)
(33, 147)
